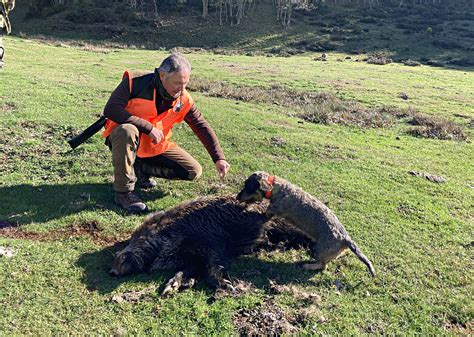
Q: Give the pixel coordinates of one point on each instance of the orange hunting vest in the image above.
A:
(146, 109)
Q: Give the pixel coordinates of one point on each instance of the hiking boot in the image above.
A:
(144, 180)
(130, 202)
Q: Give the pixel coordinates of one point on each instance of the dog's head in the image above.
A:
(255, 187)
(125, 263)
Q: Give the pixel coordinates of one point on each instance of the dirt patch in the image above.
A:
(266, 319)
(309, 302)
(7, 107)
(90, 229)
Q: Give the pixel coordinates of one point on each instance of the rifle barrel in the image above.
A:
(87, 133)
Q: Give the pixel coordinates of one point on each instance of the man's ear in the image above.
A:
(162, 75)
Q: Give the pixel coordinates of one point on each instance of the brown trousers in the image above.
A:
(175, 163)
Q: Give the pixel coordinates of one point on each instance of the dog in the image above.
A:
(199, 239)
(304, 211)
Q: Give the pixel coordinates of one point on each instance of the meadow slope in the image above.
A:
(418, 234)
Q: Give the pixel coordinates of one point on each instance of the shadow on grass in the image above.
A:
(23, 204)
(97, 264)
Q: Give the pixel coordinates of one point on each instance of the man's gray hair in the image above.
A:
(176, 62)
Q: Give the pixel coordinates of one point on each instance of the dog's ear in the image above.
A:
(265, 185)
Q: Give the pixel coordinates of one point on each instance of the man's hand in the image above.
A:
(156, 135)
(222, 168)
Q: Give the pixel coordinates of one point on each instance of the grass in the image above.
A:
(417, 233)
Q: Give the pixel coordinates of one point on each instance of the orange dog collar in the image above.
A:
(271, 179)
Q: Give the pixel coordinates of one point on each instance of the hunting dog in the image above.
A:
(199, 239)
(304, 211)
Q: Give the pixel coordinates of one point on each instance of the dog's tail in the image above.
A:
(352, 246)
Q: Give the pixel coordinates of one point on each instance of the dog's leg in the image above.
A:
(323, 252)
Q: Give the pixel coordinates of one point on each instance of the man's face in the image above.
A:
(175, 83)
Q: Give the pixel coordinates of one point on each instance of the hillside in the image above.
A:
(436, 34)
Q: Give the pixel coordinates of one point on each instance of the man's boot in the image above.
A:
(144, 180)
(130, 202)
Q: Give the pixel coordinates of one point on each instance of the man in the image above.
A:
(5, 27)
(140, 113)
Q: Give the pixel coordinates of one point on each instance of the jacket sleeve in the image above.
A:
(205, 133)
(115, 109)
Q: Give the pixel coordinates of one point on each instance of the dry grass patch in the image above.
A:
(332, 110)
(325, 108)
(436, 127)
(379, 60)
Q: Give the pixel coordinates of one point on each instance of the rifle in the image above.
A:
(87, 133)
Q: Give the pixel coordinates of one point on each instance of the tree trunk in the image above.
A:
(205, 6)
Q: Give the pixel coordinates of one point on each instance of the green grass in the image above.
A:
(418, 234)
